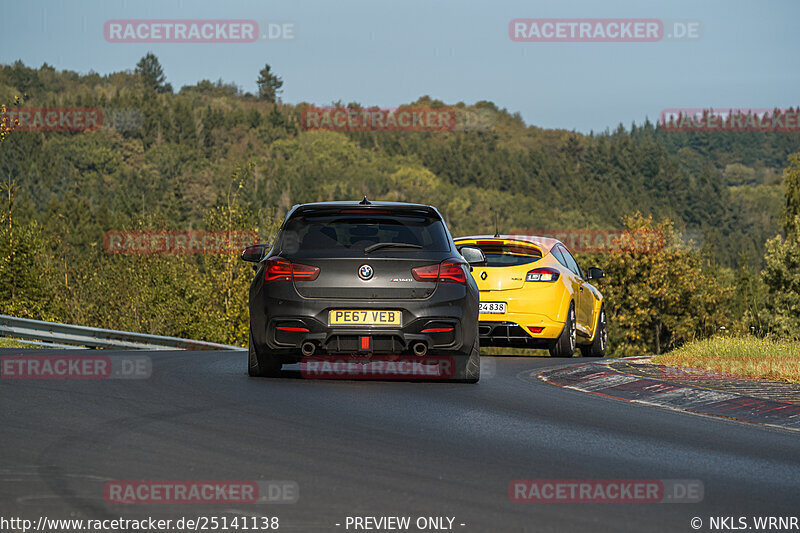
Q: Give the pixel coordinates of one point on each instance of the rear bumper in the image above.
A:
(282, 321)
(447, 336)
(518, 329)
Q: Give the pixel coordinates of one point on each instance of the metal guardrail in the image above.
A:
(43, 344)
(54, 332)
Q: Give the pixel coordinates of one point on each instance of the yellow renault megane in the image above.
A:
(534, 295)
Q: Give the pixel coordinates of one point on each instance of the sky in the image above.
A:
(388, 53)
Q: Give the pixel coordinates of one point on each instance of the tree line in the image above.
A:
(210, 156)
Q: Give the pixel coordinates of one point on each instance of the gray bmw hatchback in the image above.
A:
(364, 279)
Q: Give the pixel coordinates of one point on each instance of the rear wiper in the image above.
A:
(379, 245)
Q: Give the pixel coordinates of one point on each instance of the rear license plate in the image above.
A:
(362, 317)
(492, 308)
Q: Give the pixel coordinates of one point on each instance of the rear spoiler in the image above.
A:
(348, 208)
(500, 241)
(543, 244)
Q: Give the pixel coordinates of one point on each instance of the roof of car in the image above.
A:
(544, 243)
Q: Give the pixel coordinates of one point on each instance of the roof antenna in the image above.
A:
(365, 201)
(496, 230)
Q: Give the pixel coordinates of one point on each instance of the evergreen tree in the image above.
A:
(152, 75)
(269, 85)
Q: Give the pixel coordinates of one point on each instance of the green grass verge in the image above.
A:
(749, 357)
(514, 352)
(6, 342)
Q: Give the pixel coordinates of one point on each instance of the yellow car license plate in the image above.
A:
(364, 317)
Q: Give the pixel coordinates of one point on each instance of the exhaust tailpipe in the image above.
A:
(308, 348)
(420, 348)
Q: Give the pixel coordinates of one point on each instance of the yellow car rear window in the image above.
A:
(509, 254)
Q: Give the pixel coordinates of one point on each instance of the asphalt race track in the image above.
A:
(376, 448)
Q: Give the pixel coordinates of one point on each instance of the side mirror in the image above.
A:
(254, 253)
(474, 256)
(595, 273)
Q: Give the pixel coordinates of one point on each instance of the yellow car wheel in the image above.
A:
(598, 346)
(564, 346)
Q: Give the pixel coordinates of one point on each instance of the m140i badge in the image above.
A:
(365, 272)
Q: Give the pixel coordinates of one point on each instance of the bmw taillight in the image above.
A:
(448, 271)
(279, 269)
(304, 272)
(453, 271)
(542, 274)
(426, 273)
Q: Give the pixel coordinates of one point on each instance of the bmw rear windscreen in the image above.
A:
(348, 236)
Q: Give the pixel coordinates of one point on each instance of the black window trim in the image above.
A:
(563, 250)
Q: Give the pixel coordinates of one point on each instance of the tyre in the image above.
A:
(259, 364)
(598, 346)
(468, 367)
(564, 345)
